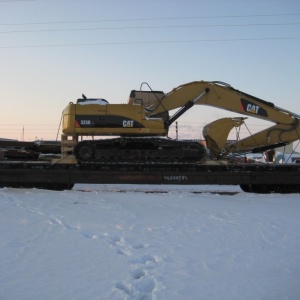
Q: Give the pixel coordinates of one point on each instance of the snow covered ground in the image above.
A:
(148, 242)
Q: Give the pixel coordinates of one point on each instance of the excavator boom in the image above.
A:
(223, 96)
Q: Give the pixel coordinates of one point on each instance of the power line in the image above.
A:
(146, 19)
(151, 42)
(150, 27)
(16, 0)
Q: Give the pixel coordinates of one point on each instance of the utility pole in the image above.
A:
(22, 137)
(177, 131)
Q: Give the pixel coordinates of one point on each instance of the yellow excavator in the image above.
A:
(143, 123)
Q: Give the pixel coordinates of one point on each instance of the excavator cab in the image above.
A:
(145, 98)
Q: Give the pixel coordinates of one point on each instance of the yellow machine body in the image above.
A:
(110, 119)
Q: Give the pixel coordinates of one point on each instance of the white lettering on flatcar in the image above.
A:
(176, 178)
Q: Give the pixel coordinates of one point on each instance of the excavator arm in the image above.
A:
(223, 96)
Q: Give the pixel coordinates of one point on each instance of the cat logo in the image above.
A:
(128, 123)
(252, 108)
(249, 107)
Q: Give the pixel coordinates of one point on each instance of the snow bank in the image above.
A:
(148, 242)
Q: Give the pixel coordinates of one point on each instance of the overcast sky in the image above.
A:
(52, 51)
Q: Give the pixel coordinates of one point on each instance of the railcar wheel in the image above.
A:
(260, 188)
(246, 188)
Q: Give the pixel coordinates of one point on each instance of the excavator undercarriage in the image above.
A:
(130, 149)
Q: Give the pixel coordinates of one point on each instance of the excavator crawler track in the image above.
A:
(139, 150)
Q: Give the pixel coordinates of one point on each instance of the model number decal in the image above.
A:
(176, 178)
(85, 122)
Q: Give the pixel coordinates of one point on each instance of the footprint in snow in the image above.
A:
(125, 252)
(143, 283)
(126, 249)
(146, 260)
(127, 288)
(142, 288)
(85, 234)
(120, 245)
(89, 235)
(139, 246)
(55, 221)
(138, 273)
(117, 241)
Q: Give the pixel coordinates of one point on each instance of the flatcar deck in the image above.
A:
(261, 178)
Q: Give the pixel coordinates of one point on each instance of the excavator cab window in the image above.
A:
(145, 98)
